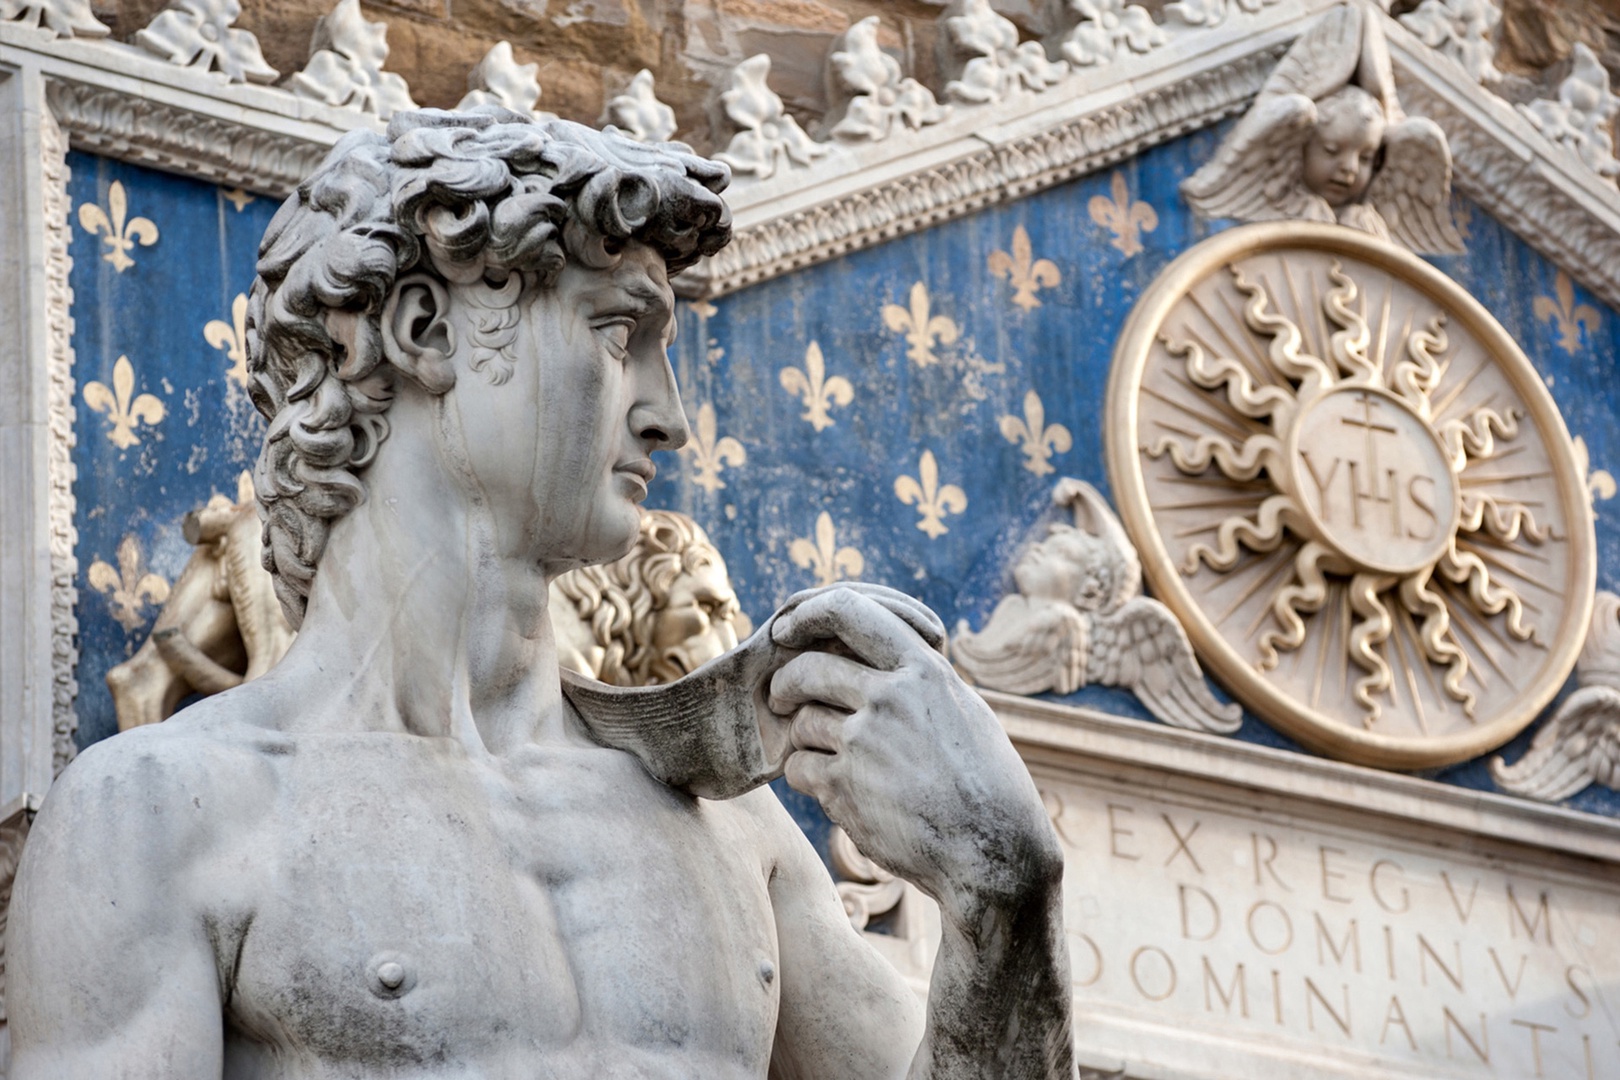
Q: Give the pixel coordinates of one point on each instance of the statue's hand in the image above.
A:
(907, 759)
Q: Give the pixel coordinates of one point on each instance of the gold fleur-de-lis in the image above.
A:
(711, 453)
(236, 197)
(823, 556)
(932, 499)
(922, 329)
(124, 407)
(232, 337)
(1566, 315)
(129, 588)
(1038, 439)
(1027, 274)
(818, 392)
(121, 235)
(1127, 220)
(1599, 482)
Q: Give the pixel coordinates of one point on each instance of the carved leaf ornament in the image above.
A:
(345, 68)
(64, 18)
(200, 33)
(766, 135)
(1354, 491)
(639, 114)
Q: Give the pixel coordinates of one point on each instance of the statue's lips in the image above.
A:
(644, 470)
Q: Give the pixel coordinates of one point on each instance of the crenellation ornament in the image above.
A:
(1354, 490)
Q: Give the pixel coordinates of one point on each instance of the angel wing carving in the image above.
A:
(1078, 617)
(1327, 140)
(1580, 745)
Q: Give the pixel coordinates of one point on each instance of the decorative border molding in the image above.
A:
(906, 200)
(120, 125)
(1540, 191)
(60, 503)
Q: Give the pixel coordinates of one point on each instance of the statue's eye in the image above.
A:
(1330, 148)
(617, 333)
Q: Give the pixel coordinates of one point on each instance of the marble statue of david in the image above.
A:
(406, 852)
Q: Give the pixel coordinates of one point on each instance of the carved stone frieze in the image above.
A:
(1580, 745)
(1079, 617)
(498, 79)
(1547, 207)
(122, 125)
(1582, 119)
(764, 136)
(981, 56)
(869, 94)
(638, 113)
(1460, 29)
(1326, 140)
(345, 65)
(200, 33)
(64, 18)
(1312, 454)
(989, 175)
(1208, 14)
(60, 506)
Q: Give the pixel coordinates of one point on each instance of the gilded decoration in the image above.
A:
(710, 452)
(933, 500)
(921, 327)
(120, 233)
(1123, 216)
(1035, 437)
(129, 587)
(824, 557)
(1566, 316)
(125, 409)
(231, 338)
(1599, 482)
(1027, 274)
(1354, 491)
(818, 391)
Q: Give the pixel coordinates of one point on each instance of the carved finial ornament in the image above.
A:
(1354, 491)
(1103, 31)
(1580, 745)
(765, 135)
(200, 33)
(870, 96)
(64, 18)
(345, 65)
(1460, 29)
(979, 52)
(1326, 140)
(498, 79)
(1582, 118)
(638, 112)
(1079, 617)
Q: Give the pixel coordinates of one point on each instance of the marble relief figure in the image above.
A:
(1326, 140)
(415, 847)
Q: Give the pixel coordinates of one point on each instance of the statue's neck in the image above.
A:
(416, 623)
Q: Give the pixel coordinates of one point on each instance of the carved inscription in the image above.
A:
(1374, 477)
(1284, 948)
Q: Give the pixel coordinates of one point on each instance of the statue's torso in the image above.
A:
(554, 914)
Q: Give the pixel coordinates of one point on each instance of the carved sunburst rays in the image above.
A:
(1252, 383)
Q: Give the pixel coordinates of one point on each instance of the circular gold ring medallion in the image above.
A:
(1351, 486)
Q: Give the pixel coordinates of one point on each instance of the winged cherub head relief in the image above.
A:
(1079, 617)
(1326, 140)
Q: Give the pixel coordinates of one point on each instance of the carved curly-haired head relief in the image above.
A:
(487, 199)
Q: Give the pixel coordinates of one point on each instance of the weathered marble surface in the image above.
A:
(406, 850)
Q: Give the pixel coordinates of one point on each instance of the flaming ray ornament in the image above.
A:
(1354, 491)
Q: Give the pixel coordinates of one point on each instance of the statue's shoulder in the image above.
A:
(181, 781)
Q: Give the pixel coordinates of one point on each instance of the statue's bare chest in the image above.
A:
(560, 904)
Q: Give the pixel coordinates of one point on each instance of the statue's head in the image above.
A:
(660, 612)
(1070, 566)
(501, 284)
(1342, 152)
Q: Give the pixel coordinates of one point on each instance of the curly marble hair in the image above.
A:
(489, 199)
(623, 601)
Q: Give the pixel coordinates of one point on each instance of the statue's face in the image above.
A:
(1340, 154)
(696, 623)
(560, 453)
(1048, 569)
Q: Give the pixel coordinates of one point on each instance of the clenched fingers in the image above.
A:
(816, 727)
(818, 676)
(868, 629)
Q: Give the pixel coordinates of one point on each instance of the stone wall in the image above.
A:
(588, 50)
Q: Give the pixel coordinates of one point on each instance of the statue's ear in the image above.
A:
(417, 336)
